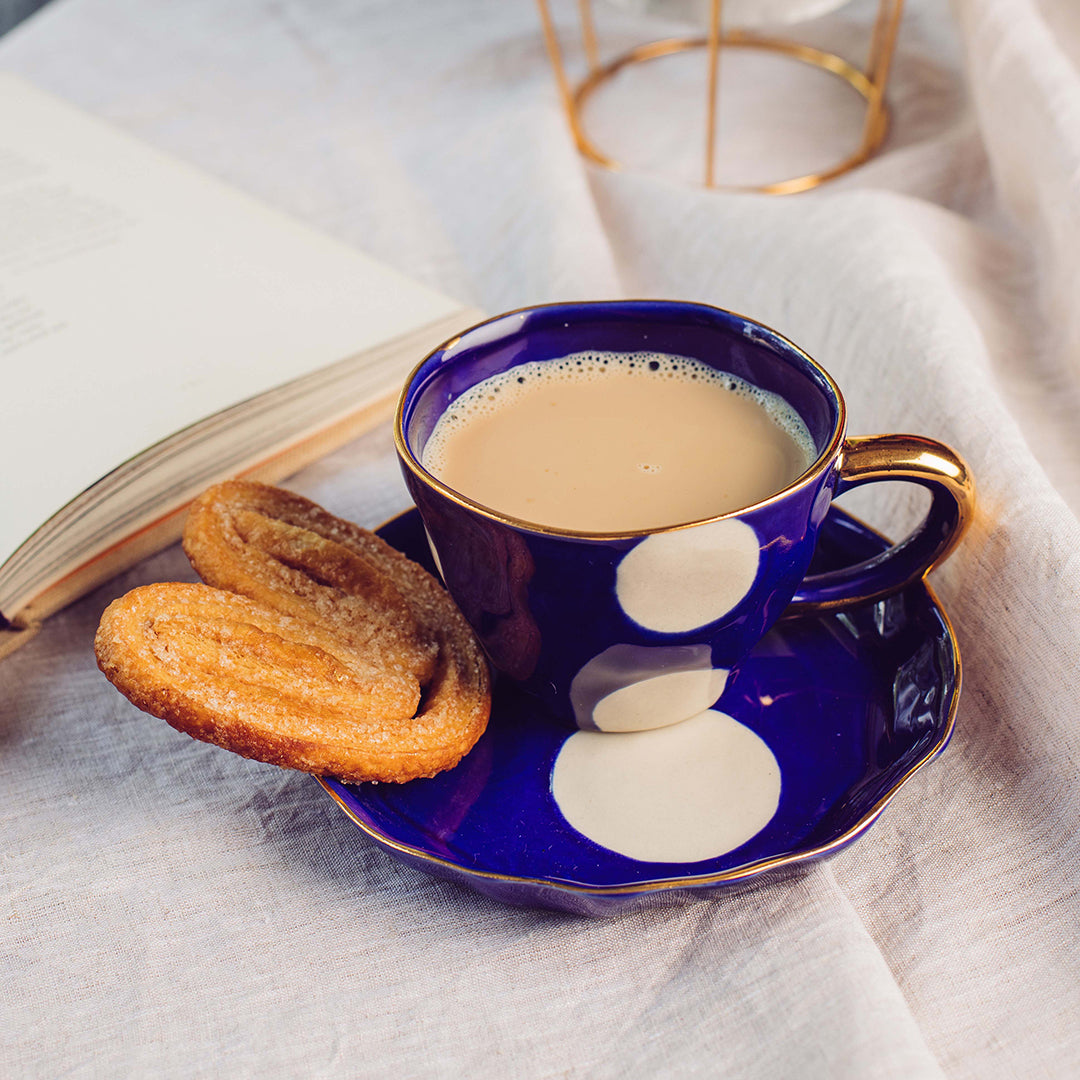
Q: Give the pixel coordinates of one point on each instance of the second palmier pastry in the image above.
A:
(279, 548)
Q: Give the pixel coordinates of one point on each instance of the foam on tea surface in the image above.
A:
(602, 441)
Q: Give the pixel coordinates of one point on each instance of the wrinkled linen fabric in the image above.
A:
(168, 909)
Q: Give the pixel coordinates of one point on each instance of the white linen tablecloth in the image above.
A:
(170, 910)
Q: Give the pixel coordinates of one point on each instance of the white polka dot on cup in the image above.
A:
(675, 582)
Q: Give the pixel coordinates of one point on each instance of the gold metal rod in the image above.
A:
(588, 34)
(714, 82)
(569, 101)
(882, 49)
(888, 18)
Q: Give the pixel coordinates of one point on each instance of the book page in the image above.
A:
(138, 296)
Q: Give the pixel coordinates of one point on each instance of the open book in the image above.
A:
(159, 332)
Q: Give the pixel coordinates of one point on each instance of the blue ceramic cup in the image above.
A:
(640, 629)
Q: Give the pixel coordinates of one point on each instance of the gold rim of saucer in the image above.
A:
(815, 470)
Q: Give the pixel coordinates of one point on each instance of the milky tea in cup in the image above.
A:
(609, 442)
(622, 497)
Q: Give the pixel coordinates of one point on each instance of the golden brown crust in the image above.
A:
(285, 676)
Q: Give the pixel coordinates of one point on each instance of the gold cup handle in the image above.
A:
(915, 459)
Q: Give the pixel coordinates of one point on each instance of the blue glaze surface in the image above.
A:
(849, 703)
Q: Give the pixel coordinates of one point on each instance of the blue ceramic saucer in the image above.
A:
(851, 704)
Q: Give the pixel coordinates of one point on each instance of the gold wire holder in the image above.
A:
(869, 83)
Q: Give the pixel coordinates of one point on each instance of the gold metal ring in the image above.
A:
(870, 84)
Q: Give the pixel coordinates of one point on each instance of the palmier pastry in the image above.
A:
(364, 669)
(284, 550)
